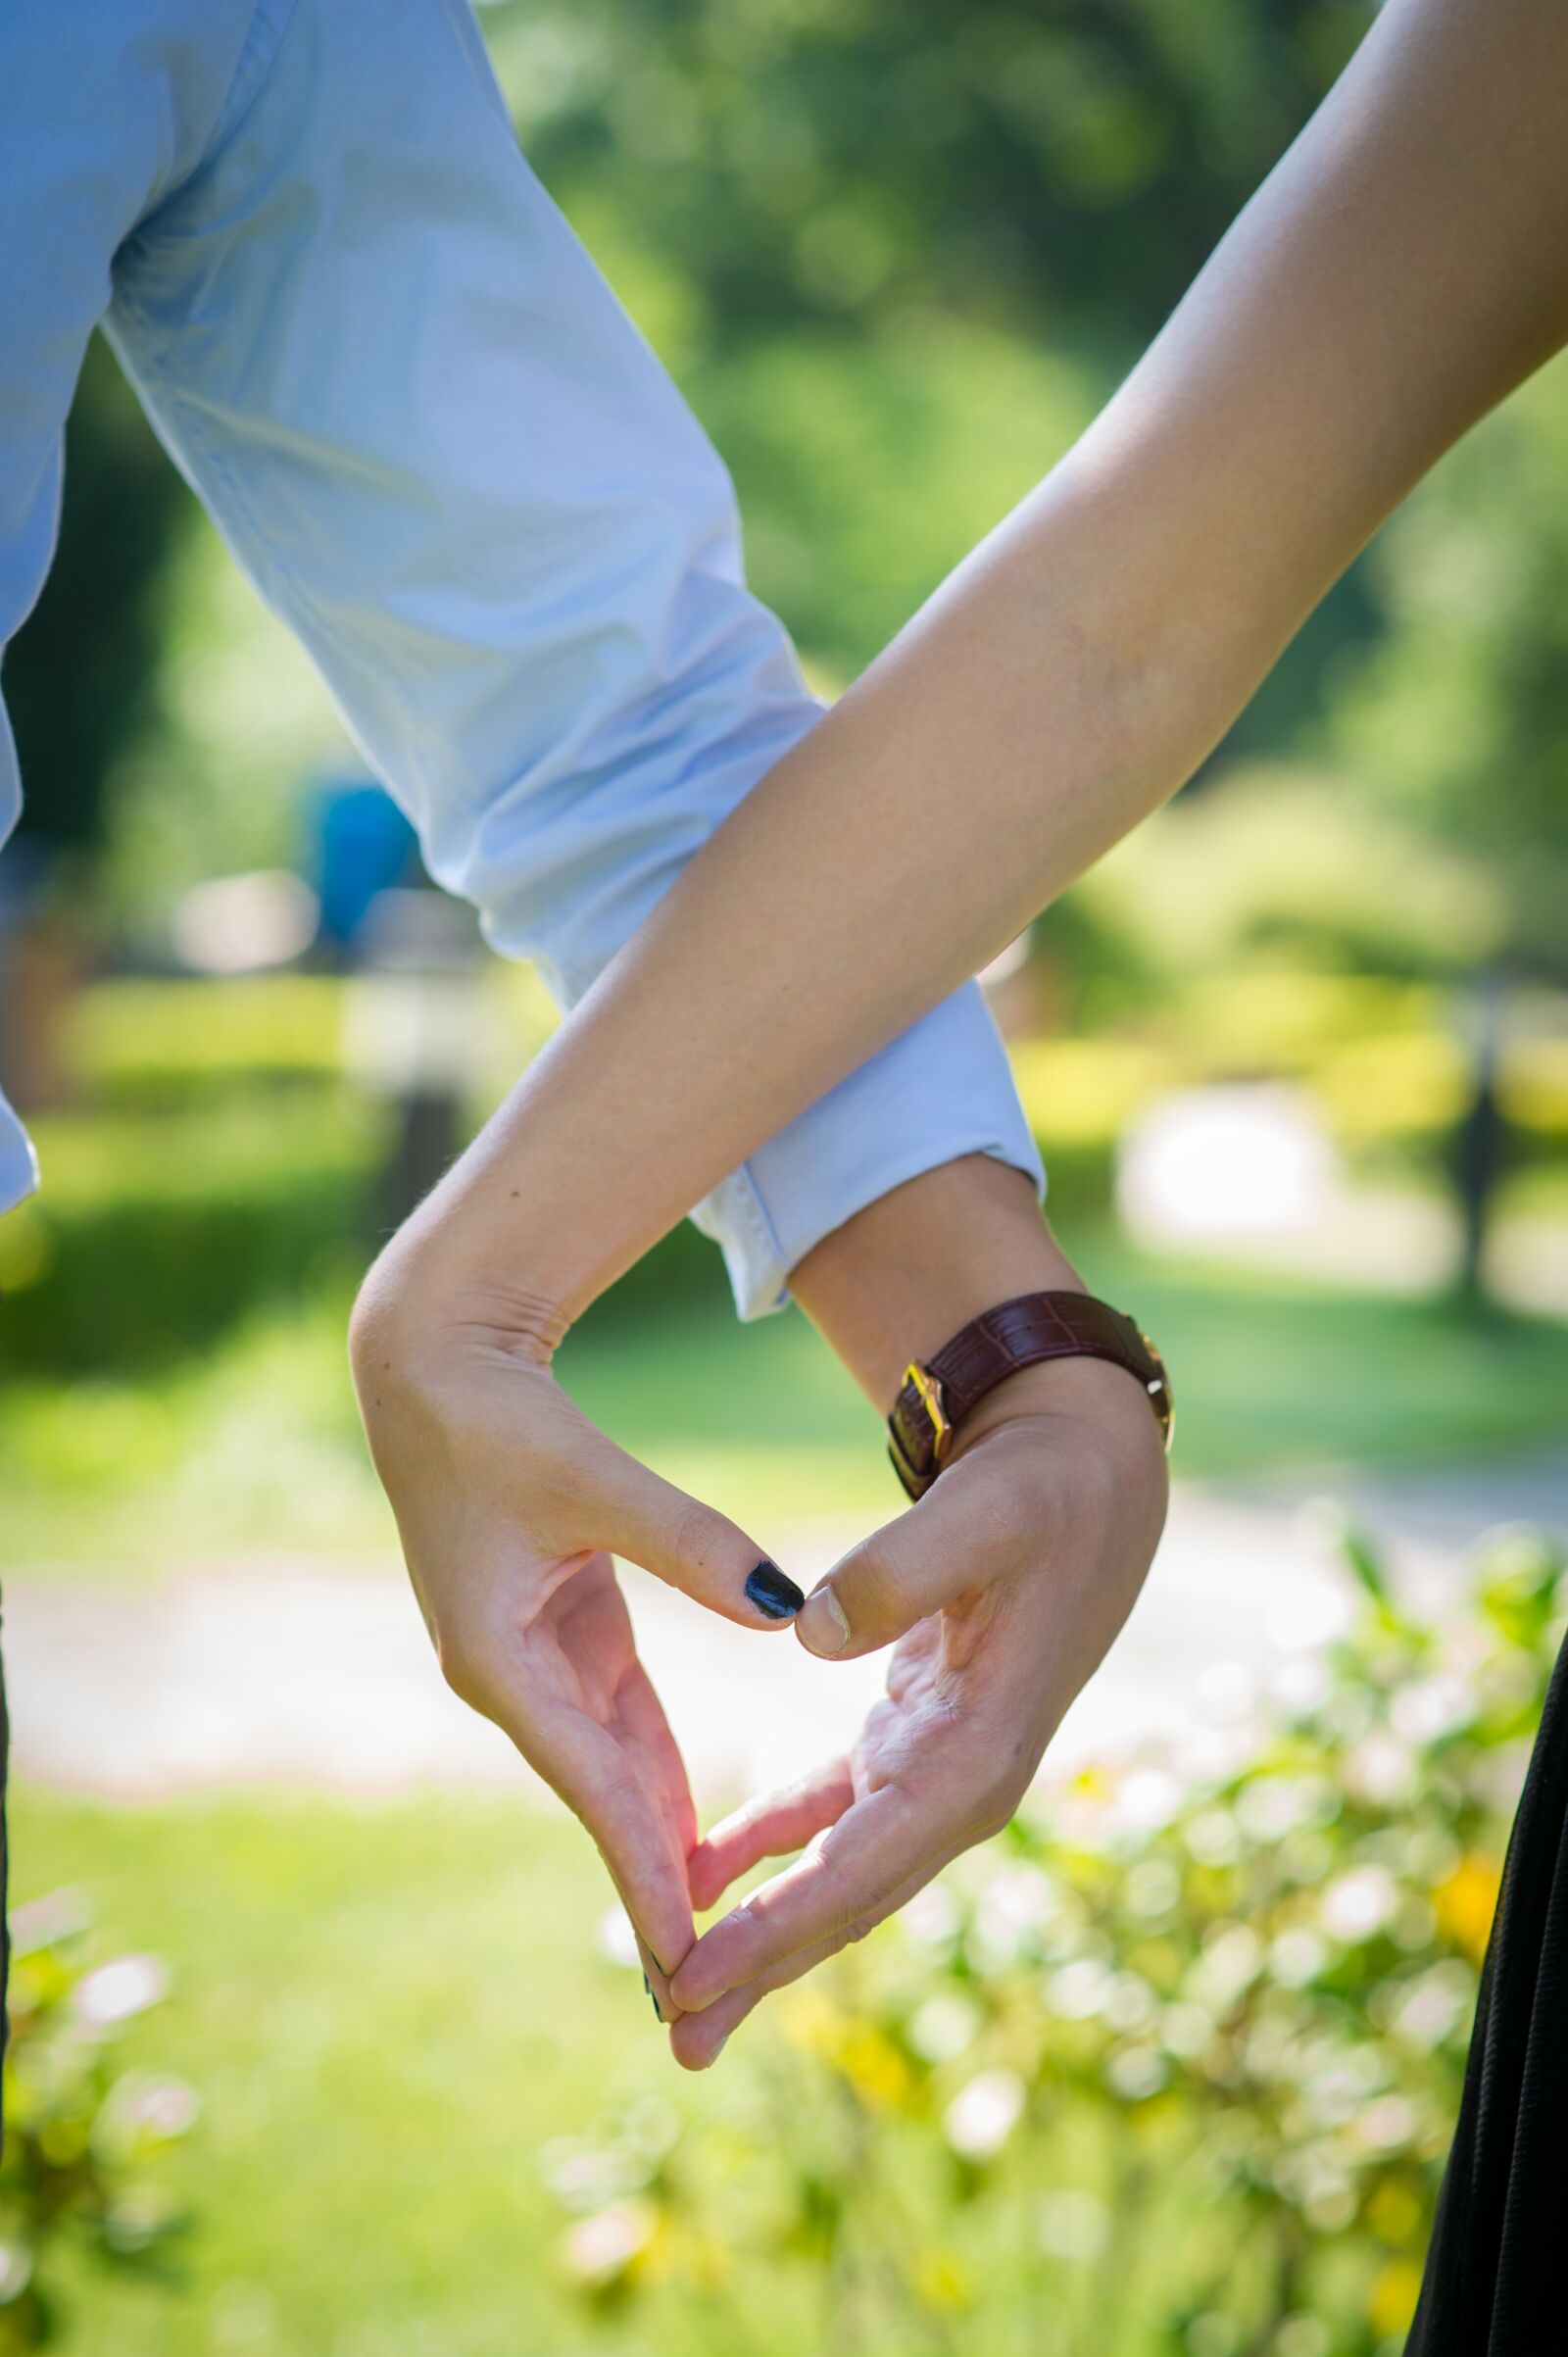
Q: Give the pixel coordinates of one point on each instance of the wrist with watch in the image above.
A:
(941, 1392)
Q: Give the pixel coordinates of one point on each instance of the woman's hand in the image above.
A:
(510, 1504)
(1004, 1588)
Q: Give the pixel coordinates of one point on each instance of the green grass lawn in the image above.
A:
(257, 1447)
(387, 2012)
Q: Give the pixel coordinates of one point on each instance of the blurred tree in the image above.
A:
(832, 216)
(80, 678)
(896, 253)
(809, 160)
(1461, 717)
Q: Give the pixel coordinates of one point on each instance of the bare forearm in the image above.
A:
(1405, 267)
(896, 1281)
(900, 1278)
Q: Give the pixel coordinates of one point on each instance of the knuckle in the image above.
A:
(461, 1668)
(987, 1789)
(996, 1805)
(698, 1538)
(994, 1820)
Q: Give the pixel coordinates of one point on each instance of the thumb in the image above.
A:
(942, 1549)
(691, 1547)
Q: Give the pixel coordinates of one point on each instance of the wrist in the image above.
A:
(437, 1291)
(1107, 1401)
(907, 1272)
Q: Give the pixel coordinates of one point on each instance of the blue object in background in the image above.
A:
(363, 845)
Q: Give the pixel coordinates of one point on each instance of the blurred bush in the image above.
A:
(230, 1160)
(83, 2133)
(232, 1157)
(154, 1234)
(156, 1045)
(1175, 2066)
(1295, 866)
(1384, 1058)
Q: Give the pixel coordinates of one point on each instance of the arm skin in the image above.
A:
(1005, 1586)
(1405, 267)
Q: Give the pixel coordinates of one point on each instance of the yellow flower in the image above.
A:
(941, 2279)
(1393, 2296)
(813, 2021)
(1467, 1900)
(874, 2068)
(1393, 2213)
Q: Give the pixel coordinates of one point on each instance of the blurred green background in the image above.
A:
(1299, 1059)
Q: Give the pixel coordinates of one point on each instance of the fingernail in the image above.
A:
(822, 1628)
(771, 1593)
(652, 1999)
(717, 2051)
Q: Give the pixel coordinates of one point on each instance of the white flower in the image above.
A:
(1433, 2007)
(983, 2114)
(1153, 1887)
(1136, 2072)
(1185, 2029)
(16, 2267)
(44, 1922)
(1381, 1770)
(1297, 1956)
(117, 1990)
(580, 2176)
(1230, 1963)
(1130, 2003)
(1080, 1989)
(930, 1917)
(1277, 1804)
(1073, 2225)
(603, 2246)
(617, 1939)
(1430, 1707)
(1146, 1799)
(943, 2027)
(1389, 2122)
(165, 2106)
(1359, 1904)
(1014, 1903)
(1301, 1684)
(1213, 1837)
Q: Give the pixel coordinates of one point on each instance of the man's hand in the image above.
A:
(1000, 1590)
(510, 1504)
(1004, 1588)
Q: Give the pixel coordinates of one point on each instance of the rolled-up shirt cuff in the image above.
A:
(941, 1090)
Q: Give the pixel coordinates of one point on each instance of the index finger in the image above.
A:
(636, 1837)
(847, 1878)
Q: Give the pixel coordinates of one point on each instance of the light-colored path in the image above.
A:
(288, 1670)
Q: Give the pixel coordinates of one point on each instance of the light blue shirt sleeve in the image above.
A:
(435, 442)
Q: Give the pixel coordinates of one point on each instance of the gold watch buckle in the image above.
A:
(928, 1390)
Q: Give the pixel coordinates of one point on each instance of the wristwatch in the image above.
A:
(941, 1392)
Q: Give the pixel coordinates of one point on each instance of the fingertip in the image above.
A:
(772, 1592)
(704, 1875)
(693, 1998)
(694, 2046)
(822, 1625)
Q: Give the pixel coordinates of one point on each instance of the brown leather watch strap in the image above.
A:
(939, 1395)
